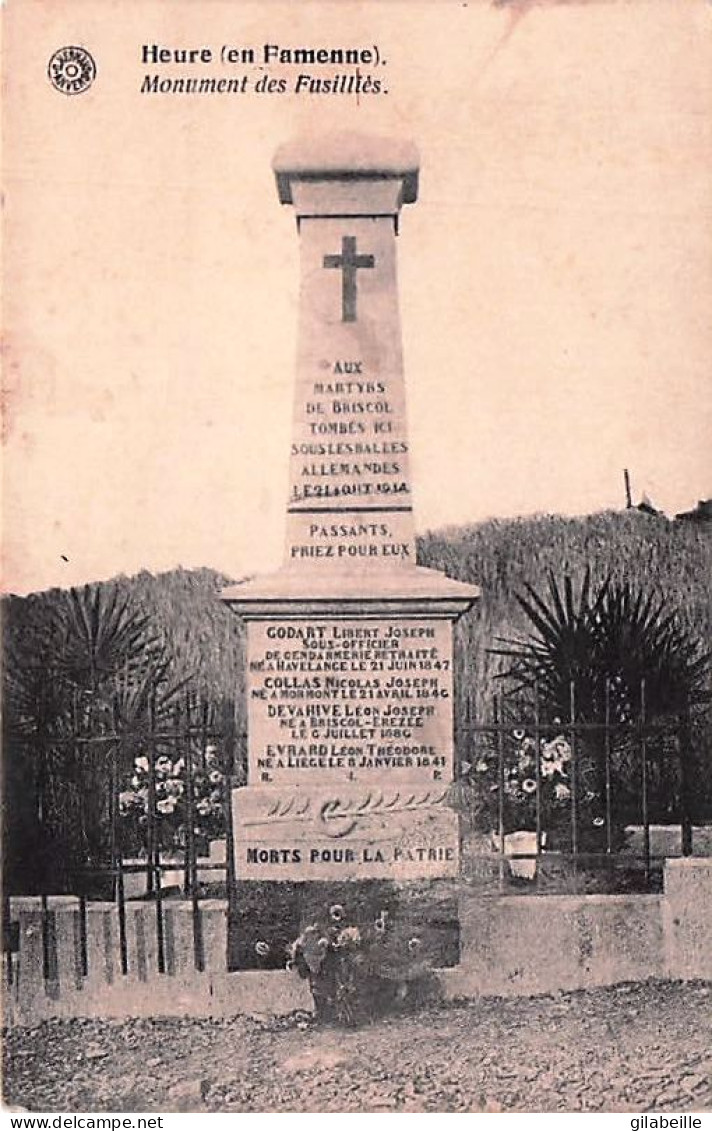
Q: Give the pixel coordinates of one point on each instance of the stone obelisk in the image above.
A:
(349, 649)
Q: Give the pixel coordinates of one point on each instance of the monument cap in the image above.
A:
(347, 157)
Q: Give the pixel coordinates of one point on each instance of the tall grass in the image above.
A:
(673, 559)
(205, 638)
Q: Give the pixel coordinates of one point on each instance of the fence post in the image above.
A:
(644, 782)
(537, 768)
(31, 959)
(7, 939)
(49, 953)
(154, 847)
(607, 756)
(229, 730)
(67, 944)
(102, 934)
(190, 850)
(500, 790)
(574, 781)
(83, 952)
(685, 749)
(117, 868)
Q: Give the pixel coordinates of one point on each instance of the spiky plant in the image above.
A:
(559, 650)
(82, 665)
(102, 638)
(616, 636)
(621, 654)
(653, 664)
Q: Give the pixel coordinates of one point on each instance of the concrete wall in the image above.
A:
(687, 914)
(526, 945)
(510, 945)
(55, 985)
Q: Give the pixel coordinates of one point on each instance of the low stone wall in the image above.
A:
(510, 945)
(687, 918)
(526, 945)
(49, 981)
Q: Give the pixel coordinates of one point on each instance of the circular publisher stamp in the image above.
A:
(71, 70)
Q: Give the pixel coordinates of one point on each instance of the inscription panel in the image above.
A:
(344, 833)
(350, 700)
(350, 499)
(350, 445)
(351, 539)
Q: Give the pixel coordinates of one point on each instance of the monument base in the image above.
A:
(351, 728)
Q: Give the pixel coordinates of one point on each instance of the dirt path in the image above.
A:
(633, 1047)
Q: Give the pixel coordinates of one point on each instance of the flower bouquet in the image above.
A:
(356, 972)
(171, 802)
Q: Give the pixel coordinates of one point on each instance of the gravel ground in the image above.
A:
(627, 1048)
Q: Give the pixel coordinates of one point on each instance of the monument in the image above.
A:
(349, 644)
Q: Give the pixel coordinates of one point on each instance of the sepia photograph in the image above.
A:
(357, 558)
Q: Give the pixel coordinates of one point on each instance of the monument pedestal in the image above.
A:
(349, 684)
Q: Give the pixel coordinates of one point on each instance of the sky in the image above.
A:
(555, 273)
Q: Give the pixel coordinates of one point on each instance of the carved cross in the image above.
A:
(348, 263)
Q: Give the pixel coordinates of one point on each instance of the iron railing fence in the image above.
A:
(140, 785)
(591, 778)
(168, 782)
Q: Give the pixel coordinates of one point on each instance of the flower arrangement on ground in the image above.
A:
(358, 971)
